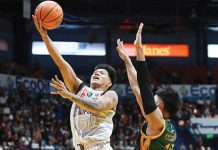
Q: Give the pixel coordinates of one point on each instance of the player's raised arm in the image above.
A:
(131, 73)
(106, 102)
(71, 80)
(153, 113)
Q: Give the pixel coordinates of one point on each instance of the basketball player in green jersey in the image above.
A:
(156, 133)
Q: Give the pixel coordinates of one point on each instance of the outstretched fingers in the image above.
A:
(56, 86)
(118, 41)
(119, 44)
(56, 83)
(140, 28)
(35, 21)
(61, 83)
(139, 32)
(118, 48)
(57, 79)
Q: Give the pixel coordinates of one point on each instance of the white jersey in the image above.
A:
(88, 128)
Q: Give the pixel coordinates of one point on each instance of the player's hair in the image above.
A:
(171, 100)
(111, 71)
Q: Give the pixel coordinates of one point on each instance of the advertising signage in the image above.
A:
(161, 50)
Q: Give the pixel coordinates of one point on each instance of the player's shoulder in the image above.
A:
(169, 126)
(111, 92)
(170, 130)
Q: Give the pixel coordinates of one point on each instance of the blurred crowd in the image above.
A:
(33, 121)
(12, 68)
(176, 74)
(201, 109)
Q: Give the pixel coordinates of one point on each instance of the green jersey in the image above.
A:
(164, 141)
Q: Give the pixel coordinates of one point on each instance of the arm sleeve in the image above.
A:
(145, 87)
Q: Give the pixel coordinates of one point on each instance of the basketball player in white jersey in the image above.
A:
(93, 107)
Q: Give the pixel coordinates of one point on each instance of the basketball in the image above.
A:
(50, 14)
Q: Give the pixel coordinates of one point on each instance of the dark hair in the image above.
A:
(171, 100)
(111, 71)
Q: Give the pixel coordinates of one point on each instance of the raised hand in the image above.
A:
(60, 87)
(39, 27)
(121, 50)
(138, 44)
(138, 40)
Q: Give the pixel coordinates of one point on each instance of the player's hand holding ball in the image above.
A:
(48, 15)
(39, 27)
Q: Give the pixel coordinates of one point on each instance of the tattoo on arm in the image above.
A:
(87, 103)
(95, 106)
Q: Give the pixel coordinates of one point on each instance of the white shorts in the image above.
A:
(99, 146)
